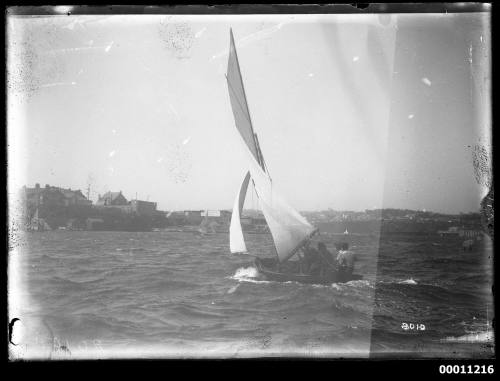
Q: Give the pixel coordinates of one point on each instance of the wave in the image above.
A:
(171, 284)
(46, 256)
(408, 281)
(132, 249)
(233, 289)
(431, 293)
(248, 274)
(67, 282)
(477, 337)
(361, 283)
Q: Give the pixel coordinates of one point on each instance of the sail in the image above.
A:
(238, 99)
(288, 228)
(236, 239)
(204, 224)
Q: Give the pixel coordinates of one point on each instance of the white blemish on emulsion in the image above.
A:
(173, 111)
(63, 8)
(186, 141)
(59, 84)
(410, 116)
(355, 58)
(200, 32)
(108, 48)
(426, 81)
(112, 153)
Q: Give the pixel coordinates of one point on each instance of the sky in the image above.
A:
(353, 112)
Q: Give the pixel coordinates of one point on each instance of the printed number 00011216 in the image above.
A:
(466, 369)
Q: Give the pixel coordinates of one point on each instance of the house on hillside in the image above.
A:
(75, 197)
(112, 199)
(48, 197)
(116, 200)
(53, 205)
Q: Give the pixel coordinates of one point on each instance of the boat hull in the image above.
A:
(267, 268)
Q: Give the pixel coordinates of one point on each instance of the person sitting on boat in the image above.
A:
(345, 260)
(310, 259)
(324, 251)
(327, 257)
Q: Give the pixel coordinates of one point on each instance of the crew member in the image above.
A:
(327, 257)
(311, 260)
(345, 260)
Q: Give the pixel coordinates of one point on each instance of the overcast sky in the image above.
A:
(352, 111)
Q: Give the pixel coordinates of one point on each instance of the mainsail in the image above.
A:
(288, 228)
(239, 103)
(236, 240)
(243, 123)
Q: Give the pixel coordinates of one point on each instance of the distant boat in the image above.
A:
(207, 227)
(38, 224)
(290, 230)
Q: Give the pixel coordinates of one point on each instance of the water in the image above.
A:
(176, 294)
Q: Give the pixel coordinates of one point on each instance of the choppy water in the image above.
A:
(175, 294)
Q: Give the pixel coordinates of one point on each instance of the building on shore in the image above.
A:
(118, 201)
(196, 217)
(460, 232)
(75, 197)
(61, 208)
(193, 217)
(51, 196)
(143, 208)
(52, 202)
(37, 197)
(112, 199)
(451, 231)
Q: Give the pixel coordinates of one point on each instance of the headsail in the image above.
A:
(236, 240)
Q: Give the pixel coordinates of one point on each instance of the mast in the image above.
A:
(261, 156)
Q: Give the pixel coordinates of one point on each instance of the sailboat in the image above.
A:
(38, 224)
(290, 231)
(207, 227)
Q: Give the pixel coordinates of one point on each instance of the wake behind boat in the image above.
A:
(295, 259)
